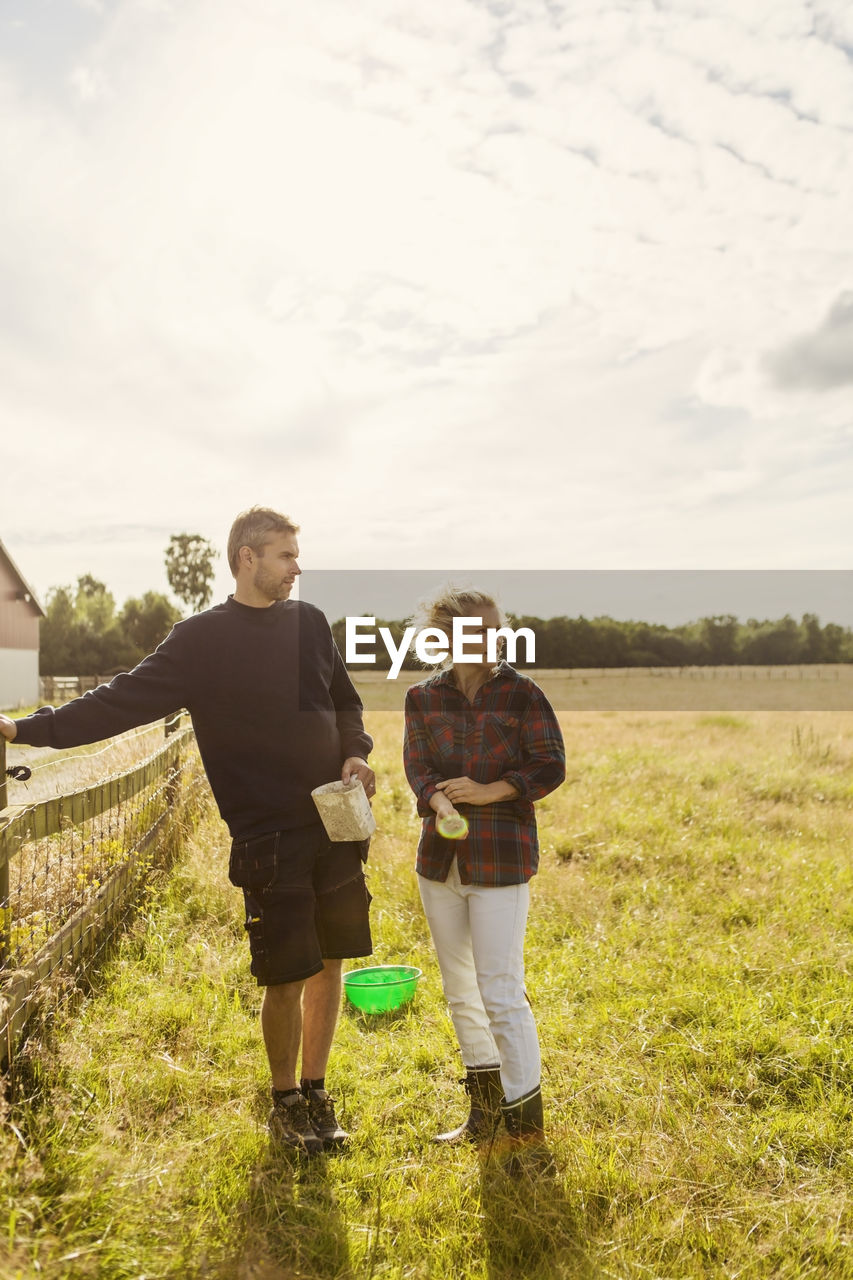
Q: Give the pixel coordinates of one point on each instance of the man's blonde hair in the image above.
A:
(252, 529)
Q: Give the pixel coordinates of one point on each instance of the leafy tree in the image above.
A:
(55, 647)
(774, 643)
(94, 605)
(812, 646)
(148, 620)
(80, 636)
(612, 642)
(834, 647)
(719, 636)
(189, 568)
(580, 648)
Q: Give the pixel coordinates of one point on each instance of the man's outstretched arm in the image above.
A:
(153, 689)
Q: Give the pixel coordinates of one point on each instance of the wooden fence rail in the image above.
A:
(53, 689)
(96, 845)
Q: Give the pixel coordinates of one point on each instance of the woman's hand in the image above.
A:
(441, 805)
(467, 791)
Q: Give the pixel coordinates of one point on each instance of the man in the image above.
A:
(275, 715)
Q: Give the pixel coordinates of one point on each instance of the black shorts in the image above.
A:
(306, 901)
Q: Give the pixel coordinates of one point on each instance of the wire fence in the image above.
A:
(73, 864)
(60, 772)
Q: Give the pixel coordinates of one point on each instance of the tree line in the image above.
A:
(85, 634)
(720, 640)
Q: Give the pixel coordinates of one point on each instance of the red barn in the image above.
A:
(20, 612)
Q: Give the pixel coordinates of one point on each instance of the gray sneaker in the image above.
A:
(321, 1109)
(290, 1123)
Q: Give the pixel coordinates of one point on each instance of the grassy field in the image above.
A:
(660, 689)
(689, 963)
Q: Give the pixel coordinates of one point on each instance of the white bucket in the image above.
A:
(344, 810)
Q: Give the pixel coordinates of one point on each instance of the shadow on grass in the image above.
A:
(290, 1223)
(531, 1227)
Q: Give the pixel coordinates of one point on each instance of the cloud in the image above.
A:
(821, 360)
(478, 240)
(88, 86)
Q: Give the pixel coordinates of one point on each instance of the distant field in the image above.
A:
(799, 688)
(827, 687)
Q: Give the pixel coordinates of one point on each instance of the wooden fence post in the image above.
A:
(172, 724)
(5, 922)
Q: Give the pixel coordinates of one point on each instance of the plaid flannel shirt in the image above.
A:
(509, 733)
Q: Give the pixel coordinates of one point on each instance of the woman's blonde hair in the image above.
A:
(449, 602)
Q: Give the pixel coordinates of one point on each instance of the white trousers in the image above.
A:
(478, 934)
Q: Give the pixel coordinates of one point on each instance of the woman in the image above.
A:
(482, 741)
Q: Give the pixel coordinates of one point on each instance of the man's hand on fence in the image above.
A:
(8, 728)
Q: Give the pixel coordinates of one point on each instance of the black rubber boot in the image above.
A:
(484, 1088)
(526, 1129)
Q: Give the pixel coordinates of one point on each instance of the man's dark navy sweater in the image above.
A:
(274, 710)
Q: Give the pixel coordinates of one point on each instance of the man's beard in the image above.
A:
(271, 586)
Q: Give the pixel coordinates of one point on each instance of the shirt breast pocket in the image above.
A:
(442, 731)
(501, 737)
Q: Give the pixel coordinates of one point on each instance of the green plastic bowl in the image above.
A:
(382, 988)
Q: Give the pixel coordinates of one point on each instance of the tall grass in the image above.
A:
(689, 958)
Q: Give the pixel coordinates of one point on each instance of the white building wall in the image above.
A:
(19, 678)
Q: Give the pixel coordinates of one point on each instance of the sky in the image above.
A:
(528, 284)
